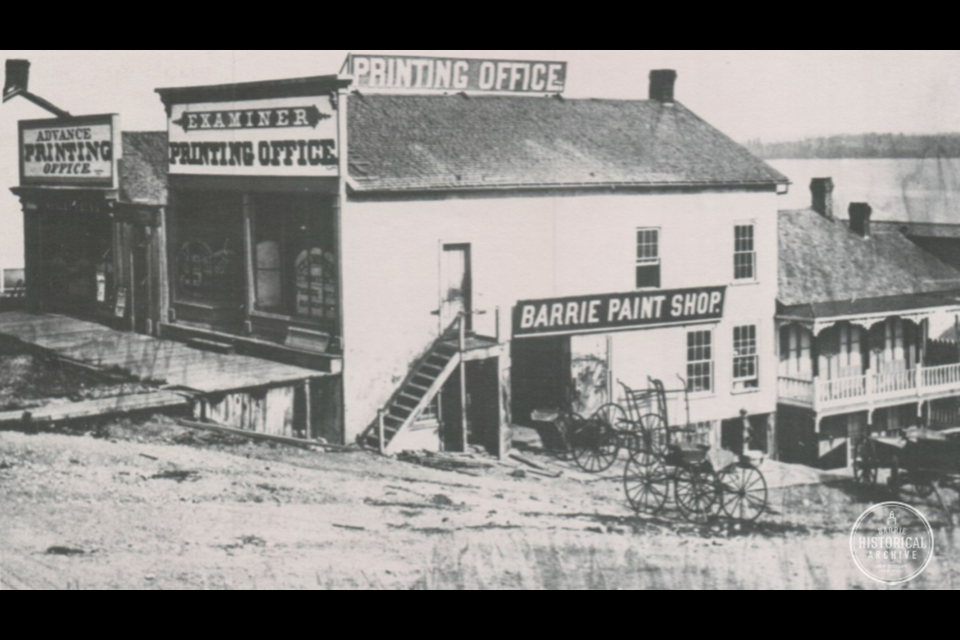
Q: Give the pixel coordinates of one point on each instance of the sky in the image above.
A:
(771, 95)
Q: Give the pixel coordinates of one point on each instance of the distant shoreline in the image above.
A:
(871, 146)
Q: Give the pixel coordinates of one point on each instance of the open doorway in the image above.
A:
(483, 404)
(541, 376)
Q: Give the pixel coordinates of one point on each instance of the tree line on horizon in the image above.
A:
(869, 145)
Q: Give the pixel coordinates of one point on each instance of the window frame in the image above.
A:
(251, 217)
(739, 383)
(711, 362)
(738, 252)
(185, 216)
(648, 261)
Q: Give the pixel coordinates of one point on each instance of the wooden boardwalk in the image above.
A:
(163, 363)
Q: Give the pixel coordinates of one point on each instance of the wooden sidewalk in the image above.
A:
(163, 363)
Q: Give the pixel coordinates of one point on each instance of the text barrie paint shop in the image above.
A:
(618, 311)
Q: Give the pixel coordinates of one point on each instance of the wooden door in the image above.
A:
(456, 286)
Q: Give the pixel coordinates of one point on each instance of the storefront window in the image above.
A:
(295, 261)
(208, 249)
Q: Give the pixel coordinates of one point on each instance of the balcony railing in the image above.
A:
(871, 389)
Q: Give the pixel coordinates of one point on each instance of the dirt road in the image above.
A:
(136, 510)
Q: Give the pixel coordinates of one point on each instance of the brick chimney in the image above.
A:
(860, 213)
(662, 84)
(822, 191)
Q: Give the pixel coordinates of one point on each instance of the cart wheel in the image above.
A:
(895, 482)
(743, 493)
(654, 433)
(646, 482)
(567, 424)
(594, 446)
(865, 462)
(613, 416)
(922, 484)
(697, 493)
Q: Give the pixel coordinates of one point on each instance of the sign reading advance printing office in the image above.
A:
(456, 74)
(80, 151)
(273, 137)
(613, 312)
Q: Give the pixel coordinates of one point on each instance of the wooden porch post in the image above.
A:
(463, 384)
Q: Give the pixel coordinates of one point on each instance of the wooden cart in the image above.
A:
(920, 461)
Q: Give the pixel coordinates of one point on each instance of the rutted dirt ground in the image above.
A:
(154, 506)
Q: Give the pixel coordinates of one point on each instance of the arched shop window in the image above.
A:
(208, 249)
(296, 265)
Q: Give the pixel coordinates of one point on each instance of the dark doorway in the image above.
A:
(541, 376)
(142, 280)
(732, 434)
(483, 404)
(456, 285)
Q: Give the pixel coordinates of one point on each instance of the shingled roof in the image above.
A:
(453, 142)
(823, 262)
(143, 167)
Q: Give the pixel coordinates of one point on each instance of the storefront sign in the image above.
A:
(613, 312)
(456, 74)
(70, 151)
(282, 137)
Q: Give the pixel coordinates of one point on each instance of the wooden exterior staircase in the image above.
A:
(419, 389)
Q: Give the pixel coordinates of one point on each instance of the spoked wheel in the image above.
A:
(613, 416)
(654, 433)
(865, 463)
(594, 446)
(697, 493)
(743, 493)
(923, 484)
(567, 424)
(646, 482)
(895, 481)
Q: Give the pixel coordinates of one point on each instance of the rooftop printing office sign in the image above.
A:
(81, 151)
(415, 73)
(618, 311)
(270, 137)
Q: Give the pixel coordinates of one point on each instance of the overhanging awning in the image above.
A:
(868, 312)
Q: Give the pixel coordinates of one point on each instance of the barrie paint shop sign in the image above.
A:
(456, 74)
(272, 137)
(614, 312)
(80, 151)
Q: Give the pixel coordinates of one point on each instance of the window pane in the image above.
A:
(648, 244)
(296, 267)
(648, 276)
(208, 249)
(700, 361)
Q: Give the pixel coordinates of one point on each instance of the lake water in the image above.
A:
(921, 190)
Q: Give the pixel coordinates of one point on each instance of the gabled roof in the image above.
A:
(143, 167)
(825, 264)
(454, 142)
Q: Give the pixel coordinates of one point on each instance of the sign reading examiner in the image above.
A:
(270, 137)
(612, 312)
